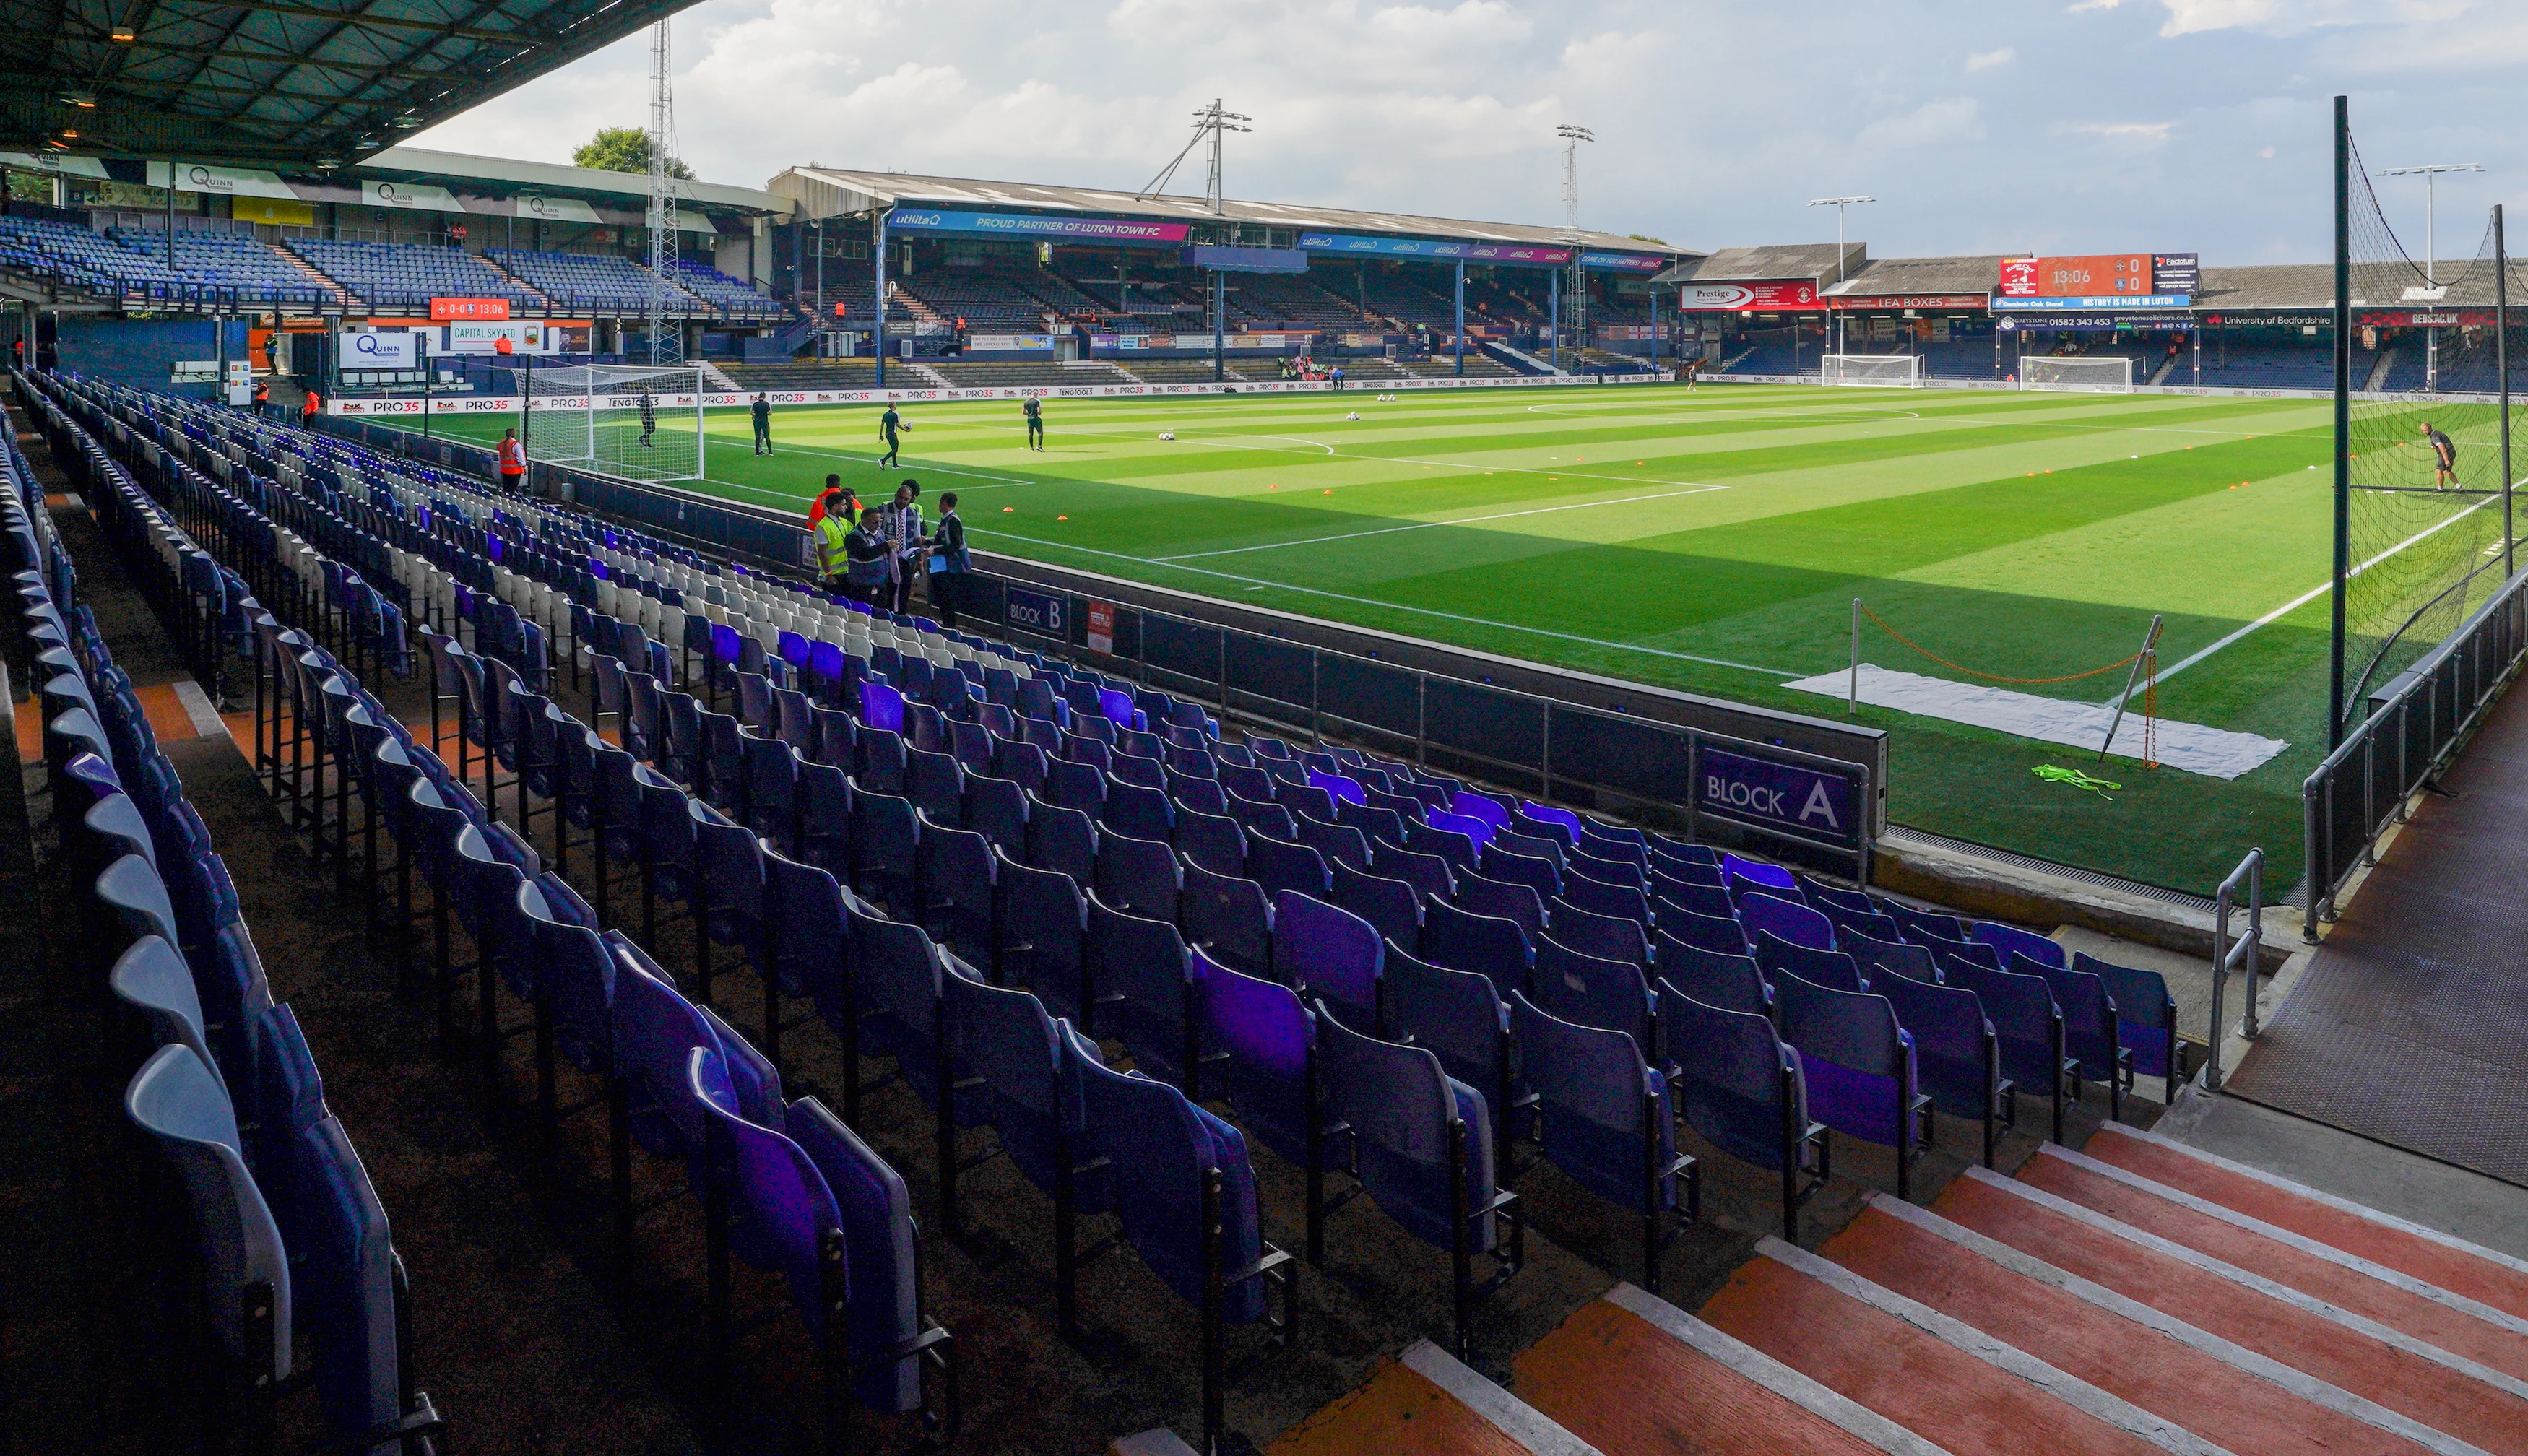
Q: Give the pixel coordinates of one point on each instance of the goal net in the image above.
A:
(2097, 374)
(1889, 371)
(643, 422)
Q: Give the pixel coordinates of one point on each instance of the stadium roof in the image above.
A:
(1777, 263)
(422, 164)
(1892, 278)
(277, 81)
(830, 192)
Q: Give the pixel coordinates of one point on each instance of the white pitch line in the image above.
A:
(1427, 611)
(2297, 602)
(1275, 545)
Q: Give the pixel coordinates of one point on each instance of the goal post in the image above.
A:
(642, 422)
(1885, 371)
(2095, 374)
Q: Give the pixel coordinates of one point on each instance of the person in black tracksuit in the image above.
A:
(1034, 410)
(761, 409)
(649, 418)
(887, 426)
(949, 562)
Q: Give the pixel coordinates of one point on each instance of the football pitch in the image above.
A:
(1714, 542)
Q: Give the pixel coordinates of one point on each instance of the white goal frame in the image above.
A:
(1871, 371)
(2092, 374)
(586, 416)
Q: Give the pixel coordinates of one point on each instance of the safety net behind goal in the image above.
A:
(642, 422)
(1889, 371)
(2105, 374)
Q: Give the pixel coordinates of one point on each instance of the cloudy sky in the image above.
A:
(1982, 125)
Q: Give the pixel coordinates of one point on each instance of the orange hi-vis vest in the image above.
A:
(513, 460)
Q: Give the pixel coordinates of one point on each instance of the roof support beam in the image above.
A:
(455, 30)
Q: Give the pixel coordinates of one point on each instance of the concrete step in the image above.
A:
(1940, 1379)
(2343, 1279)
(2444, 1392)
(1426, 1401)
(2241, 1401)
(1635, 1375)
(2466, 1270)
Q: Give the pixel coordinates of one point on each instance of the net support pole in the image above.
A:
(2149, 640)
(2342, 418)
(527, 408)
(1851, 688)
(877, 276)
(2501, 366)
(1461, 309)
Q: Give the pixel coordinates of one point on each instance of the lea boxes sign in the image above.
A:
(451, 310)
(1751, 297)
(1812, 803)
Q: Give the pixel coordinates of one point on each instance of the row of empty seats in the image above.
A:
(266, 1211)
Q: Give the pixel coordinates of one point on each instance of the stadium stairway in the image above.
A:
(2139, 1297)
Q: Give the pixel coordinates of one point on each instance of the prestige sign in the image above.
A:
(1778, 297)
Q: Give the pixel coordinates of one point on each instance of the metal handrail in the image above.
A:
(2445, 694)
(2227, 954)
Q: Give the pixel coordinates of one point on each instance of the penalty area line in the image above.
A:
(2297, 602)
(1255, 582)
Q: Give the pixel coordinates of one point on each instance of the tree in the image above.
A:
(1636, 236)
(623, 149)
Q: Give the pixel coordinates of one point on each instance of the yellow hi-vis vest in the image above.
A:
(831, 559)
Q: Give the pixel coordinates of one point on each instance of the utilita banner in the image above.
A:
(1022, 225)
(1415, 247)
(1751, 297)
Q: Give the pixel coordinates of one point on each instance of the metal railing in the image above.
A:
(2228, 955)
(2427, 713)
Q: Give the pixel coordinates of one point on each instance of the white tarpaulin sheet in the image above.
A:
(2192, 746)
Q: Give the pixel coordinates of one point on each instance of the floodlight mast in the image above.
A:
(662, 200)
(2431, 275)
(1210, 123)
(1838, 204)
(1572, 136)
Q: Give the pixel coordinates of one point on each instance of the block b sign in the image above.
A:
(1044, 613)
(1813, 802)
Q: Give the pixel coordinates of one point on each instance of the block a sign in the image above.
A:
(1811, 803)
(1041, 612)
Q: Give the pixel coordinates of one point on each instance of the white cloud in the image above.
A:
(1448, 107)
(2140, 135)
(1931, 123)
(2267, 153)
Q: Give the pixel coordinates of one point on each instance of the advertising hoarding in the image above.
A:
(1025, 225)
(1751, 297)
